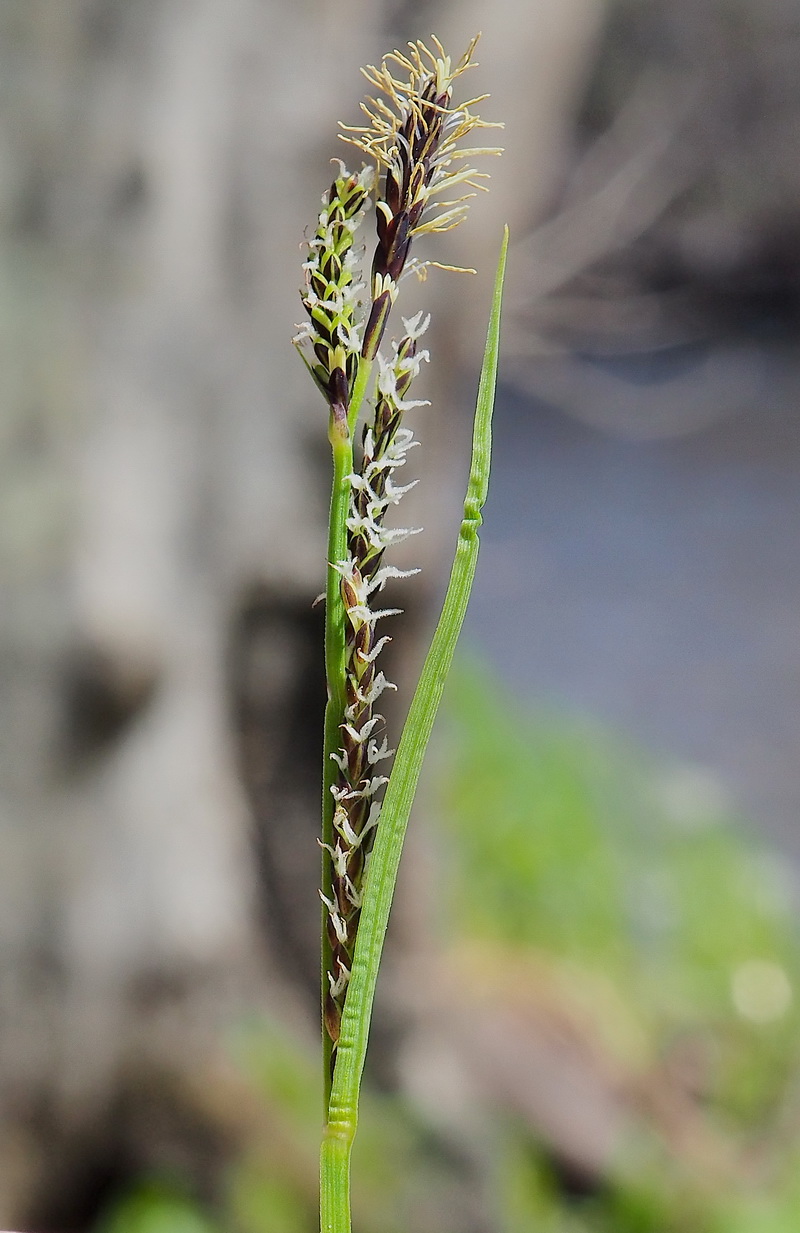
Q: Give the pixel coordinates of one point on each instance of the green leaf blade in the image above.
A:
(385, 858)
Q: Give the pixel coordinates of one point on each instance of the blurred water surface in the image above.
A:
(654, 585)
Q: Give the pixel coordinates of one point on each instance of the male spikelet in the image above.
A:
(412, 136)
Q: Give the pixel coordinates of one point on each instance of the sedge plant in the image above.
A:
(413, 139)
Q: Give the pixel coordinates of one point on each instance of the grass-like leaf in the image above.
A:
(399, 798)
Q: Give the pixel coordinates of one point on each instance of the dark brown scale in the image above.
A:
(338, 387)
(406, 162)
(356, 767)
(333, 1023)
(355, 866)
(359, 545)
(349, 596)
(379, 486)
(391, 192)
(355, 760)
(362, 643)
(342, 902)
(382, 225)
(367, 679)
(376, 324)
(359, 815)
(374, 564)
(415, 213)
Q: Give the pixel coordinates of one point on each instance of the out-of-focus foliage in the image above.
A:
(584, 854)
(657, 915)
(627, 900)
(157, 1207)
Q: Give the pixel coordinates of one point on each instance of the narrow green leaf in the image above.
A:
(385, 859)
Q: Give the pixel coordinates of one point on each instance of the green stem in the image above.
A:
(341, 439)
(335, 1176)
(359, 390)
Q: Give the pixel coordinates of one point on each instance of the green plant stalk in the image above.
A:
(341, 439)
(359, 390)
(385, 859)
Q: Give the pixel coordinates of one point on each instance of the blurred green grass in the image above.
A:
(563, 850)
(587, 852)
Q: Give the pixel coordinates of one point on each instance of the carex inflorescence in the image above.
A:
(412, 137)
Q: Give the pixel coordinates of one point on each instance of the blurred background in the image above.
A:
(588, 1014)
